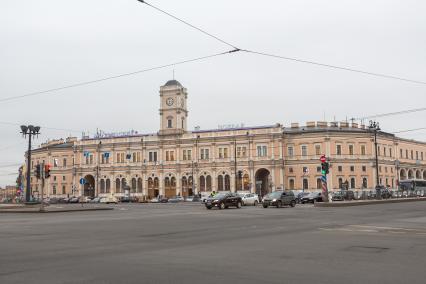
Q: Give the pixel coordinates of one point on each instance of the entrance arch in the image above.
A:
(262, 182)
(89, 186)
(403, 174)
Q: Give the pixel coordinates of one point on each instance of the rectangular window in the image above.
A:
(422, 156)
(225, 153)
(55, 162)
(262, 151)
(290, 170)
(63, 189)
(412, 155)
(152, 156)
(339, 150)
(184, 156)
(205, 154)
(378, 150)
(390, 152)
(91, 159)
(317, 150)
(384, 151)
(417, 155)
(363, 150)
(290, 151)
(64, 162)
(339, 168)
(352, 168)
(63, 178)
(241, 152)
(351, 150)
(400, 153)
(364, 168)
(406, 154)
(318, 169)
(304, 150)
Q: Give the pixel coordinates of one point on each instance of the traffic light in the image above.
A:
(37, 171)
(324, 165)
(46, 171)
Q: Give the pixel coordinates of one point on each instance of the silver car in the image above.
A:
(250, 199)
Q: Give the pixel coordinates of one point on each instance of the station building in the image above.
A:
(176, 161)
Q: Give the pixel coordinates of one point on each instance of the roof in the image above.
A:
(173, 83)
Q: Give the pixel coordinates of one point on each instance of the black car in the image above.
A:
(223, 200)
(343, 195)
(300, 195)
(279, 198)
(311, 198)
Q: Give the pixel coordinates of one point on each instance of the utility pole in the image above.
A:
(235, 163)
(42, 187)
(324, 171)
(29, 130)
(374, 126)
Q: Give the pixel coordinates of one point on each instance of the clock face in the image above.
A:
(170, 101)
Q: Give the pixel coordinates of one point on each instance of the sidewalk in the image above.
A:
(54, 208)
(367, 202)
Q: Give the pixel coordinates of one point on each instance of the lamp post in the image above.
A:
(29, 130)
(374, 126)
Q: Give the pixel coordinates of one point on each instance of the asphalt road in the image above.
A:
(185, 243)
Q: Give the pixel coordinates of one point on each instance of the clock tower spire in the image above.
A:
(173, 112)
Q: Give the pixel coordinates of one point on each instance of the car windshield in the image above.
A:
(275, 194)
(313, 194)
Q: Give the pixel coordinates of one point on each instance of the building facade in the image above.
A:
(260, 159)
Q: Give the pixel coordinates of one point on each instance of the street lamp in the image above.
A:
(29, 130)
(374, 126)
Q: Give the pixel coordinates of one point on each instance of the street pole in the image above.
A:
(29, 130)
(235, 163)
(42, 187)
(375, 127)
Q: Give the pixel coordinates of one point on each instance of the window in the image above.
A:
(412, 155)
(54, 189)
(290, 170)
(364, 168)
(290, 151)
(54, 178)
(319, 183)
(305, 183)
(220, 183)
(352, 183)
(304, 150)
(380, 168)
(351, 150)
(363, 150)
(400, 153)
(352, 168)
(64, 162)
(390, 152)
(187, 155)
(305, 170)
(204, 154)
(152, 156)
(55, 162)
(364, 183)
(384, 151)
(241, 152)
(134, 157)
(63, 178)
(262, 151)
(338, 149)
(170, 155)
(422, 156)
(318, 169)
(169, 123)
(91, 159)
(378, 150)
(417, 155)
(223, 153)
(317, 150)
(406, 154)
(339, 168)
(64, 189)
(227, 182)
(386, 169)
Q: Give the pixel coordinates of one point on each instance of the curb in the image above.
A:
(370, 202)
(54, 211)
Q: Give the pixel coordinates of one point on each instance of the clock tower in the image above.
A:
(173, 112)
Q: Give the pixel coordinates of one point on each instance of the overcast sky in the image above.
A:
(51, 43)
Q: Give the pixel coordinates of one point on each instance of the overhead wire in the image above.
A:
(116, 76)
(391, 113)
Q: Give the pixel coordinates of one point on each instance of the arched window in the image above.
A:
(353, 183)
(202, 183)
(102, 186)
(108, 186)
(291, 184)
(364, 183)
(150, 183)
(156, 182)
(167, 182)
(227, 182)
(220, 183)
(184, 182)
(123, 184)
(173, 182)
(133, 185)
(139, 185)
(169, 122)
(117, 185)
(246, 182)
(209, 183)
(305, 184)
(319, 183)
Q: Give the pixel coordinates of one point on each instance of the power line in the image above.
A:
(392, 113)
(188, 24)
(409, 130)
(42, 127)
(284, 57)
(116, 76)
(334, 67)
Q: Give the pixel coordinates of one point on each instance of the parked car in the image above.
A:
(249, 198)
(279, 198)
(84, 199)
(311, 198)
(224, 200)
(300, 195)
(163, 199)
(176, 199)
(189, 198)
(95, 200)
(343, 195)
(73, 200)
(154, 200)
(109, 200)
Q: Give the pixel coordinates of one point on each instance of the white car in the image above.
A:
(109, 199)
(250, 199)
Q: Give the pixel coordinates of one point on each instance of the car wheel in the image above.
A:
(303, 202)
(238, 204)
(293, 203)
(279, 204)
(209, 207)
(255, 203)
(265, 206)
(222, 206)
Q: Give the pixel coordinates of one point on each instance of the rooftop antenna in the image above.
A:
(173, 74)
